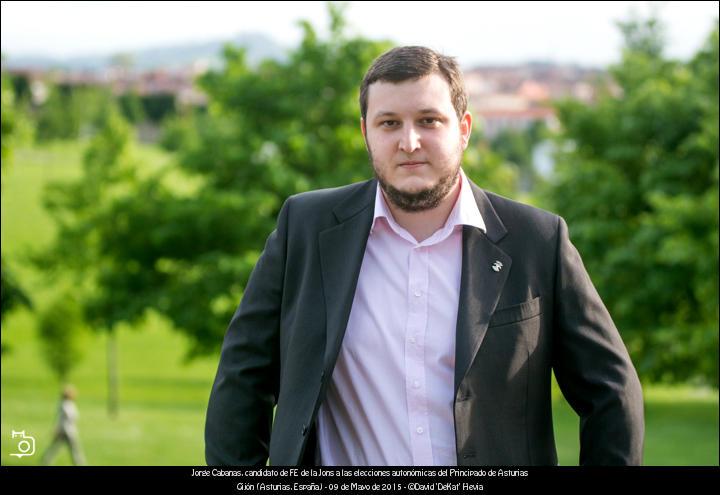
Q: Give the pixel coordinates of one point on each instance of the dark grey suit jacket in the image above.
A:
(539, 313)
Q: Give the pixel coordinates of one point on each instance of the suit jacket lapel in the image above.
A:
(480, 285)
(342, 248)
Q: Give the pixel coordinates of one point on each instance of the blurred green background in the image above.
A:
(124, 258)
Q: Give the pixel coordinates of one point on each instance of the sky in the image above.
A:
(583, 33)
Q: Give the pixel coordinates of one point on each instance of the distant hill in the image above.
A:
(259, 46)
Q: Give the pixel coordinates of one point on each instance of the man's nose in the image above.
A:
(410, 140)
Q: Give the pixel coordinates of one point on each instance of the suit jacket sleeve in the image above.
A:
(592, 366)
(240, 409)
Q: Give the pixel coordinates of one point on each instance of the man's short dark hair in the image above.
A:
(410, 63)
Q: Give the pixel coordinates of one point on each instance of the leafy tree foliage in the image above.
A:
(640, 193)
(155, 107)
(516, 147)
(80, 209)
(185, 241)
(131, 107)
(71, 111)
(8, 120)
(12, 296)
(270, 131)
(489, 169)
(61, 329)
(12, 293)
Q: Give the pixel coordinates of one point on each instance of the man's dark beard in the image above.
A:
(427, 199)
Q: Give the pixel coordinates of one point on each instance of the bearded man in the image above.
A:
(416, 319)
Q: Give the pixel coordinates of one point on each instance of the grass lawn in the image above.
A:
(681, 427)
(163, 401)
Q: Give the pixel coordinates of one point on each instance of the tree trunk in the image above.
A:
(112, 375)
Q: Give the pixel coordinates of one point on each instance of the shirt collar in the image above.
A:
(464, 212)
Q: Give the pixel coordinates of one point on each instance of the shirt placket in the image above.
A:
(415, 342)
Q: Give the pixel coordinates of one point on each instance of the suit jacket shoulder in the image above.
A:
(523, 219)
(326, 207)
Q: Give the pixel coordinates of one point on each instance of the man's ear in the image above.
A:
(465, 129)
(363, 129)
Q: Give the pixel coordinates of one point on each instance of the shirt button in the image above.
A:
(420, 430)
(416, 384)
(412, 340)
(418, 293)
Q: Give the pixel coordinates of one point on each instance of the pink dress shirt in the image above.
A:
(390, 400)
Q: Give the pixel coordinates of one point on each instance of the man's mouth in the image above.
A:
(412, 164)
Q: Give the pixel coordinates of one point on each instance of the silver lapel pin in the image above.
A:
(497, 266)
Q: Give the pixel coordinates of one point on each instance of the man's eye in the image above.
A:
(429, 121)
(389, 123)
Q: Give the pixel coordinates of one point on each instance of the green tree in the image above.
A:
(158, 106)
(8, 116)
(80, 209)
(516, 148)
(489, 169)
(270, 131)
(72, 111)
(639, 190)
(132, 107)
(176, 130)
(12, 293)
(12, 296)
(16, 126)
(61, 329)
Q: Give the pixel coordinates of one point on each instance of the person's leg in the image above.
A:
(75, 450)
(51, 451)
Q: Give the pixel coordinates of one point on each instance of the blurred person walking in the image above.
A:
(66, 431)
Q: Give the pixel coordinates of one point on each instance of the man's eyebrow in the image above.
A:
(385, 113)
(388, 113)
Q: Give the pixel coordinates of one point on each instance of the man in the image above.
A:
(414, 319)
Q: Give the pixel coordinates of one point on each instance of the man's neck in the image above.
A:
(423, 224)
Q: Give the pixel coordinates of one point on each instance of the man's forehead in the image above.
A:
(429, 94)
